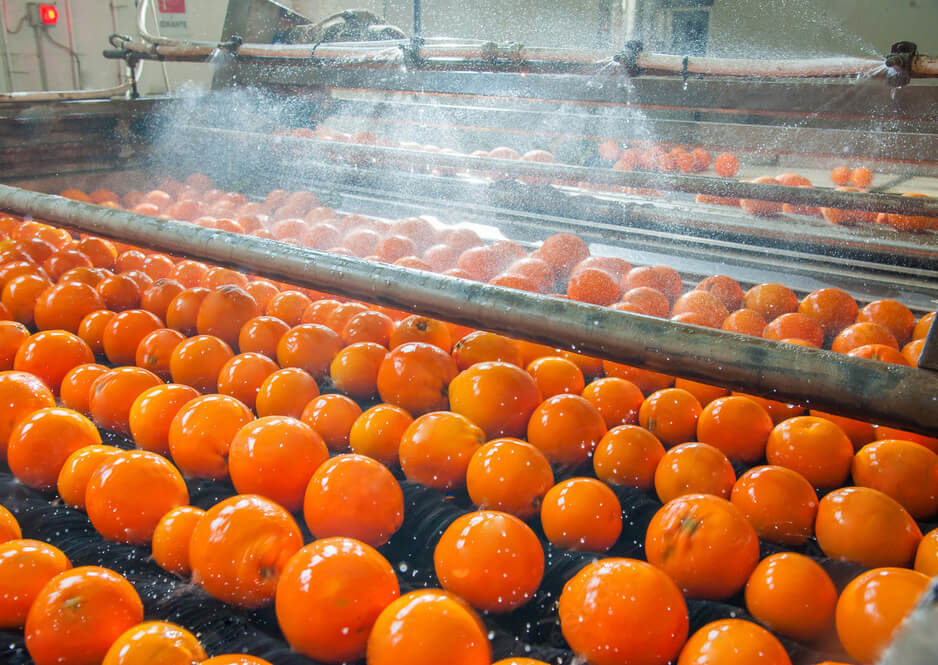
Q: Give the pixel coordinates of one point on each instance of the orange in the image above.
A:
(223, 311)
(420, 625)
(189, 273)
(872, 606)
(646, 380)
(354, 369)
(566, 428)
(261, 335)
(128, 493)
(795, 325)
(778, 411)
(240, 547)
(704, 543)
(841, 175)
(155, 351)
(91, 329)
(671, 415)
(861, 334)
(594, 286)
(623, 611)
(509, 475)
(123, 333)
(693, 468)
(913, 351)
(275, 457)
(78, 614)
(436, 448)
(926, 555)
(377, 433)
(726, 164)
(779, 503)
(771, 300)
(329, 595)
(171, 538)
(99, 251)
(922, 327)
(726, 289)
(9, 527)
(554, 376)
(867, 527)
(791, 594)
(119, 292)
(563, 251)
(416, 328)
(617, 400)
(834, 309)
(113, 393)
(332, 417)
(492, 559)
(310, 347)
(581, 514)
(152, 412)
(664, 279)
(12, 336)
(64, 305)
(708, 307)
(201, 433)
(77, 471)
(370, 326)
(155, 641)
(814, 447)
(745, 322)
(765, 208)
(288, 306)
(242, 376)
(25, 568)
(903, 470)
(217, 277)
(416, 376)
(645, 300)
(158, 297)
(733, 641)
(882, 432)
(20, 295)
(859, 432)
(41, 443)
(183, 310)
(197, 362)
(50, 354)
(21, 394)
(356, 497)
(737, 426)
(339, 316)
(286, 392)
(628, 455)
(891, 315)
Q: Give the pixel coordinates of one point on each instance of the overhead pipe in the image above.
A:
(891, 394)
(810, 196)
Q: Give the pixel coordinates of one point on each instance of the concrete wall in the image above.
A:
(737, 27)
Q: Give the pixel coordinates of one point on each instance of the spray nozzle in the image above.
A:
(899, 64)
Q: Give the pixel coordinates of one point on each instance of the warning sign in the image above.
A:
(172, 6)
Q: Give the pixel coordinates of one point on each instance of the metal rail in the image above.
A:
(901, 396)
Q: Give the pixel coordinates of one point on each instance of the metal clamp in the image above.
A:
(232, 45)
(899, 64)
(629, 57)
(411, 52)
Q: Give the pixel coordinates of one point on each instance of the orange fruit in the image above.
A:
(158, 297)
(554, 376)
(155, 641)
(737, 426)
(236, 659)
(242, 376)
(9, 527)
(563, 251)
(113, 393)
(309, 346)
(646, 380)
(859, 432)
(354, 369)
(416, 328)
(926, 555)
(41, 443)
(119, 292)
(332, 417)
(223, 311)
(671, 415)
(882, 432)
(64, 305)
(726, 164)
(12, 336)
(566, 428)
(492, 559)
(891, 315)
(91, 329)
(791, 594)
(903, 470)
(771, 300)
(861, 334)
(370, 326)
(329, 595)
(834, 309)
(416, 376)
(275, 457)
(25, 568)
(623, 611)
(198, 361)
(733, 641)
(78, 614)
(155, 351)
(498, 396)
(201, 433)
(923, 326)
(261, 335)
(240, 547)
(814, 447)
(436, 448)
(779, 503)
(867, 527)
(286, 392)
(50, 354)
(377, 433)
(645, 300)
(745, 322)
(509, 475)
(420, 625)
(703, 304)
(872, 606)
(617, 400)
(840, 175)
(123, 334)
(171, 538)
(594, 286)
(183, 310)
(152, 413)
(726, 289)
(77, 470)
(288, 306)
(628, 455)
(693, 468)
(356, 497)
(581, 514)
(797, 326)
(129, 493)
(21, 394)
(704, 543)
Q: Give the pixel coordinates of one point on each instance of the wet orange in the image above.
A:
(368, 326)
(171, 537)
(223, 311)
(197, 362)
(771, 300)
(735, 642)
(41, 443)
(737, 426)
(286, 392)
(153, 411)
(814, 447)
(581, 514)
(693, 468)
(77, 470)
(119, 292)
(183, 310)
(288, 306)
(64, 305)
(436, 448)
(726, 289)
(50, 354)
(332, 416)
(354, 369)
(261, 335)
(310, 347)
(242, 376)
(617, 400)
(113, 393)
(861, 334)
(12, 336)
(566, 428)
(891, 315)
(834, 309)
(905, 471)
(421, 329)
(416, 376)
(91, 329)
(155, 641)
(661, 278)
(201, 433)
(123, 333)
(155, 351)
(779, 503)
(21, 394)
(158, 297)
(25, 568)
(745, 322)
(377, 433)
(645, 300)
(671, 415)
(555, 375)
(509, 475)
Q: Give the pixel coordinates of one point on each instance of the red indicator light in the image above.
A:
(48, 14)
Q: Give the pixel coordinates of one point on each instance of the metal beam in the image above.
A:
(892, 394)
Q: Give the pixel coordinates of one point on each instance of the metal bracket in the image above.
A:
(411, 51)
(500, 55)
(629, 57)
(899, 64)
(233, 44)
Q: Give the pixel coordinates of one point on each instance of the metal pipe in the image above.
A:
(418, 19)
(43, 78)
(64, 95)
(76, 65)
(811, 196)
(892, 394)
